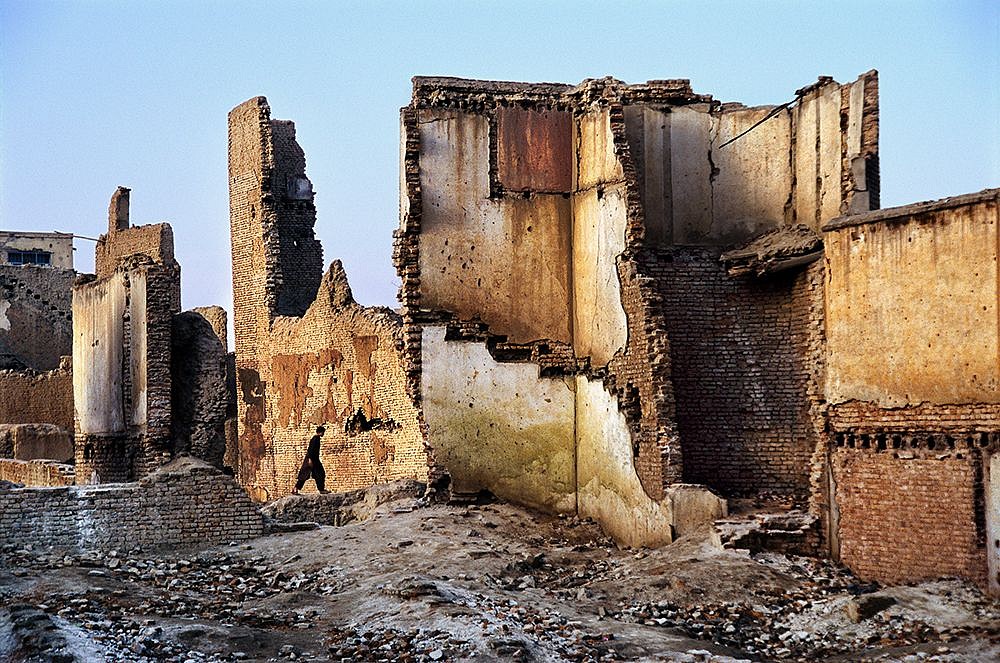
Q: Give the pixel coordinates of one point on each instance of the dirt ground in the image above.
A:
(485, 582)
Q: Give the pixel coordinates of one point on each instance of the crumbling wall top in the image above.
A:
(903, 211)
(443, 91)
(122, 241)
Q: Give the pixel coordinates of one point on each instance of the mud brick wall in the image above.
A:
(154, 240)
(957, 419)
(306, 353)
(31, 398)
(162, 304)
(36, 319)
(747, 371)
(184, 504)
(337, 366)
(910, 514)
(37, 472)
(200, 394)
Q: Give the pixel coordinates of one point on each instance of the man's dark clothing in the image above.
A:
(311, 466)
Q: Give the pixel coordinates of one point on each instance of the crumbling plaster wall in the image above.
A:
(610, 305)
(805, 162)
(306, 353)
(916, 287)
(514, 246)
(497, 425)
(122, 335)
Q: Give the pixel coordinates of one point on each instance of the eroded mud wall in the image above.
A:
(36, 327)
(27, 398)
(912, 316)
(306, 353)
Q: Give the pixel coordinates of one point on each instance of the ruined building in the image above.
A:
(306, 353)
(149, 403)
(149, 382)
(634, 303)
(36, 332)
(561, 244)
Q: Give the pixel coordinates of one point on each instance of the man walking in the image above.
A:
(311, 465)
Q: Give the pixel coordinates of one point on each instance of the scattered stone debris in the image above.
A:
(436, 582)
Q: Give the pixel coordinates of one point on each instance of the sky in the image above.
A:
(98, 94)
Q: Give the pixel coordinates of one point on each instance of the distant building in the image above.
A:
(35, 248)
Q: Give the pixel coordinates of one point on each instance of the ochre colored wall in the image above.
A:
(599, 220)
(919, 292)
(808, 163)
(340, 359)
(46, 398)
(515, 248)
(306, 353)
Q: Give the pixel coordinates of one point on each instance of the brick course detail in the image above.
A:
(186, 503)
(907, 516)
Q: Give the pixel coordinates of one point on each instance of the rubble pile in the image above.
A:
(475, 582)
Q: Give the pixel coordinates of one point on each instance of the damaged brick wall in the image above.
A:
(36, 327)
(903, 489)
(646, 167)
(200, 394)
(37, 472)
(306, 353)
(123, 321)
(747, 371)
(184, 504)
(908, 513)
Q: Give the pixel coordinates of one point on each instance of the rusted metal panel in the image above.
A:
(535, 150)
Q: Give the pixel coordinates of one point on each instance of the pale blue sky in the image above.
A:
(96, 94)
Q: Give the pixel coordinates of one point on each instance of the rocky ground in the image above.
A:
(487, 582)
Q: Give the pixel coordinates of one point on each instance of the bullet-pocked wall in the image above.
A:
(913, 384)
(306, 353)
(528, 320)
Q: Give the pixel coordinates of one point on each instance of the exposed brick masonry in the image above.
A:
(37, 472)
(910, 515)
(306, 353)
(184, 504)
(747, 371)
